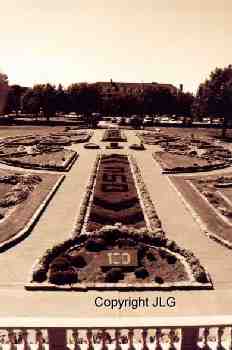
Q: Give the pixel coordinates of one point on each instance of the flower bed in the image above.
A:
(172, 163)
(98, 262)
(87, 259)
(91, 145)
(115, 198)
(211, 199)
(137, 147)
(187, 154)
(43, 158)
(114, 135)
(21, 196)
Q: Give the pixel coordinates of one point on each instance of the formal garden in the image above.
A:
(118, 240)
(182, 154)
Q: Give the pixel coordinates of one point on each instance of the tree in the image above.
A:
(15, 94)
(3, 91)
(184, 102)
(30, 102)
(41, 97)
(215, 96)
(85, 99)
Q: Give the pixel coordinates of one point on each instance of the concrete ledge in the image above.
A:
(29, 226)
(84, 287)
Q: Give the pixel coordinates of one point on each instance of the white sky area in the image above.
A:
(167, 41)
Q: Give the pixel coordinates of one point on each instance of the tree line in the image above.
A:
(213, 99)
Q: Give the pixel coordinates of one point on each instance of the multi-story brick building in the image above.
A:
(111, 88)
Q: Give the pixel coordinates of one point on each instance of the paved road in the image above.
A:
(56, 224)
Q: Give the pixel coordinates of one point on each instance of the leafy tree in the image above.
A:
(30, 102)
(215, 96)
(3, 90)
(14, 98)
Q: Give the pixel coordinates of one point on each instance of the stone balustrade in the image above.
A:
(152, 338)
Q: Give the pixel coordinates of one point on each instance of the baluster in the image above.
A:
(131, 339)
(144, 339)
(172, 337)
(104, 338)
(158, 335)
(117, 340)
(75, 335)
(220, 335)
(39, 339)
(26, 345)
(11, 338)
(89, 335)
(205, 341)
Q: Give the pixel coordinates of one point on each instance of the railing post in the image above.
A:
(172, 335)
(75, 335)
(117, 339)
(89, 339)
(144, 339)
(158, 337)
(104, 338)
(39, 339)
(190, 336)
(57, 339)
(220, 335)
(131, 340)
(12, 340)
(26, 346)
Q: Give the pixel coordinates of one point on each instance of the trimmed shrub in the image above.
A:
(171, 259)
(78, 261)
(39, 275)
(60, 264)
(114, 275)
(150, 256)
(141, 272)
(159, 280)
(63, 277)
(95, 245)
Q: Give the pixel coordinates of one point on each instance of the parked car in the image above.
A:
(148, 121)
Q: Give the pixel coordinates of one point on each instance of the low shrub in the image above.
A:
(95, 245)
(150, 256)
(141, 272)
(159, 280)
(114, 275)
(39, 275)
(171, 259)
(60, 264)
(78, 261)
(63, 277)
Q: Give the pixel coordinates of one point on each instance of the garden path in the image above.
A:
(57, 221)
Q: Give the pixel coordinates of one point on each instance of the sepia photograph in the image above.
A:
(127, 334)
(116, 170)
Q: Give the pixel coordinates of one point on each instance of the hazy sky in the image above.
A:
(169, 41)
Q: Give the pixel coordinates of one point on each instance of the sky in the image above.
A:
(166, 41)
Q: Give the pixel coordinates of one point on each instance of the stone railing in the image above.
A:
(218, 337)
